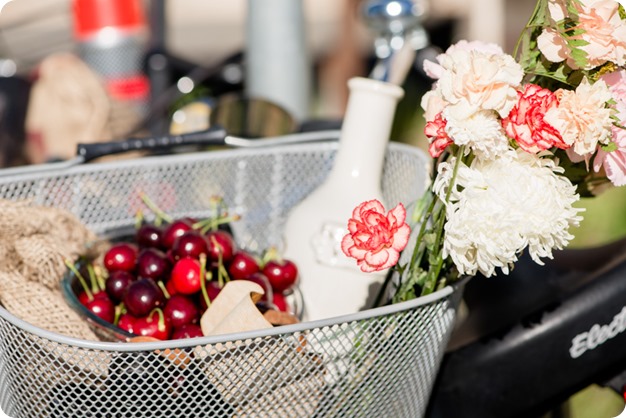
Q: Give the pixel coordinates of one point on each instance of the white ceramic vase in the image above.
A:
(330, 282)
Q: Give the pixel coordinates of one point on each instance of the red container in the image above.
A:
(112, 40)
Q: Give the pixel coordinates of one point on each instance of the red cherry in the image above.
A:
(181, 310)
(280, 302)
(242, 265)
(149, 236)
(117, 283)
(221, 244)
(103, 308)
(173, 231)
(213, 289)
(189, 245)
(169, 286)
(282, 274)
(187, 331)
(84, 299)
(153, 325)
(121, 256)
(152, 263)
(127, 322)
(186, 276)
(142, 296)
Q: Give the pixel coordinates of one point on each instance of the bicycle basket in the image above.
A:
(375, 363)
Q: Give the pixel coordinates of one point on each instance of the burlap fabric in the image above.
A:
(35, 242)
(69, 104)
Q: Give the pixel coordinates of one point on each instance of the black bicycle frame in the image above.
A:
(534, 339)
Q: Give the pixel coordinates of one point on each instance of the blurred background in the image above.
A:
(174, 61)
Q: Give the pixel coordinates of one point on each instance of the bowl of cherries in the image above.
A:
(159, 278)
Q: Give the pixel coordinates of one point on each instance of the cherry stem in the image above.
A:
(139, 218)
(81, 279)
(119, 309)
(269, 255)
(96, 284)
(101, 275)
(154, 208)
(161, 323)
(222, 274)
(205, 294)
(211, 224)
(217, 204)
(163, 289)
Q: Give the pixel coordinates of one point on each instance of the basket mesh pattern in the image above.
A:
(378, 367)
(382, 363)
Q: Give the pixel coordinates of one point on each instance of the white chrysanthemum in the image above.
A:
(482, 132)
(499, 207)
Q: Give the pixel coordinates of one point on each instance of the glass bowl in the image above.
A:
(71, 287)
(106, 331)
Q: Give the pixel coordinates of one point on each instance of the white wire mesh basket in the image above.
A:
(376, 363)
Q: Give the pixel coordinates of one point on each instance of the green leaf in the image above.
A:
(574, 43)
(575, 172)
(610, 147)
(572, 10)
(406, 291)
(434, 258)
(421, 205)
(429, 239)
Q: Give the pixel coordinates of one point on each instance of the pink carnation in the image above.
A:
(435, 131)
(614, 162)
(375, 239)
(526, 124)
(604, 33)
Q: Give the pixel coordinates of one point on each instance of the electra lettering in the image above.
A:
(598, 334)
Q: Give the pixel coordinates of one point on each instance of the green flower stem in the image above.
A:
(435, 270)
(383, 288)
(418, 253)
(539, 6)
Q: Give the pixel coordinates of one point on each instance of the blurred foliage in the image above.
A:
(596, 402)
(604, 219)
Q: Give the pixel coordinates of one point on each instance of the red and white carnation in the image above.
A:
(374, 238)
(526, 122)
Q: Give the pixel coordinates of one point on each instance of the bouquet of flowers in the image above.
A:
(515, 141)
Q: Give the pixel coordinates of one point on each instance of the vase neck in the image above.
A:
(365, 130)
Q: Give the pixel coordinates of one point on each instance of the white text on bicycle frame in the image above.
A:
(598, 334)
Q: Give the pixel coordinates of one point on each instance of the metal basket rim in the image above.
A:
(14, 174)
